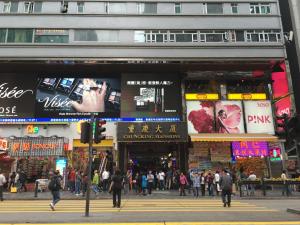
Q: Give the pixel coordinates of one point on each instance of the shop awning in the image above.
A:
(233, 137)
(104, 143)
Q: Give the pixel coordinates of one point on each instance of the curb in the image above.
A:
(294, 211)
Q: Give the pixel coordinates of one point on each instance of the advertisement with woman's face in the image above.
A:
(229, 117)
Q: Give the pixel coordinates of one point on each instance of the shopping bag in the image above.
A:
(13, 190)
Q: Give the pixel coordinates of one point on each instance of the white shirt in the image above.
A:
(252, 177)
(217, 177)
(105, 175)
(283, 176)
(2, 180)
(161, 176)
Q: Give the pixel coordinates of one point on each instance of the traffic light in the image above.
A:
(286, 126)
(99, 129)
(85, 132)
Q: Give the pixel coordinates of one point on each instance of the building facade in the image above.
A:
(208, 49)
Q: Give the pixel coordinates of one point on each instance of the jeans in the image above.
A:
(105, 185)
(285, 189)
(55, 197)
(252, 189)
(95, 188)
(211, 189)
(117, 192)
(77, 187)
(226, 193)
(182, 191)
(162, 184)
(203, 189)
(150, 185)
(196, 191)
(1, 193)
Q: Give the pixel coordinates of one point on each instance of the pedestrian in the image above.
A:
(11, 181)
(77, 183)
(183, 182)
(72, 177)
(84, 183)
(116, 187)
(22, 180)
(244, 187)
(55, 186)
(95, 182)
(169, 179)
(217, 182)
(144, 184)
(196, 184)
(202, 183)
(129, 178)
(161, 178)
(252, 177)
(105, 179)
(135, 182)
(285, 187)
(210, 183)
(2, 182)
(150, 179)
(226, 186)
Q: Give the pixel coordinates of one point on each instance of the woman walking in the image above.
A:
(183, 182)
(196, 184)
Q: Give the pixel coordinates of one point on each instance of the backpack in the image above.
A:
(53, 184)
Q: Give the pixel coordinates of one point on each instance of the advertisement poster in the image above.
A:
(151, 95)
(61, 165)
(250, 148)
(200, 117)
(229, 117)
(16, 96)
(259, 118)
(78, 97)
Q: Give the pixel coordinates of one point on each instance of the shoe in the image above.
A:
(114, 206)
(224, 205)
(228, 204)
(118, 206)
(51, 206)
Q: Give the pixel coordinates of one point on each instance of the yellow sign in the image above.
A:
(201, 96)
(247, 96)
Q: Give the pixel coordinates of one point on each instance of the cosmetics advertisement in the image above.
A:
(16, 97)
(259, 117)
(229, 117)
(200, 117)
(78, 97)
(151, 95)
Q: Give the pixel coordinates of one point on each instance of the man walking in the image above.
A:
(105, 177)
(150, 179)
(55, 186)
(116, 187)
(2, 182)
(226, 186)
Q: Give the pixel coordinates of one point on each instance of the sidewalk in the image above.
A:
(132, 195)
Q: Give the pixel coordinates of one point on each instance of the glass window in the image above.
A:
(80, 7)
(214, 37)
(97, 35)
(64, 7)
(6, 7)
(139, 36)
(177, 8)
(117, 8)
(2, 35)
(234, 8)
(37, 7)
(214, 8)
(51, 36)
(28, 7)
(14, 7)
(240, 36)
(19, 35)
(150, 8)
(184, 38)
(256, 8)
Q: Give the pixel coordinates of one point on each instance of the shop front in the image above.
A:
(37, 156)
(152, 146)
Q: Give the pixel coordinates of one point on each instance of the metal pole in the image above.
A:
(89, 175)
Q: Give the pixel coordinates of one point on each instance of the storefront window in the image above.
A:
(250, 86)
(201, 86)
(20, 35)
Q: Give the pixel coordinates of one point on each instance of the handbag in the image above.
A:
(13, 190)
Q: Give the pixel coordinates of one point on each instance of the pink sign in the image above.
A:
(250, 148)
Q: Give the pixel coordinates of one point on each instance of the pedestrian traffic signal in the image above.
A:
(99, 129)
(85, 132)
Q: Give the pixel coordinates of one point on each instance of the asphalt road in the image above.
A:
(180, 211)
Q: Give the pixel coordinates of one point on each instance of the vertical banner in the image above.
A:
(200, 116)
(259, 117)
(229, 117)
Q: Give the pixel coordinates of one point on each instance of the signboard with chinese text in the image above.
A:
(259, 117)
(201, 96)
(250, 148)
(152, 132)
(247, 96)
(36, 147)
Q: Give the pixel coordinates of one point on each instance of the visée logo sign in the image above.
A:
(32, 129)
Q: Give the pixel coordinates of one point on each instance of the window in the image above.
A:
(80, 7)
(145, 8)
(139, 36)
(10, 7)
(19, 35)
(213, 8)
(116, 8)
(234, 8)
(240, 36)
(156, 36)
(51, 36)
(97, 35)
(64, 7)
(32, 7)
(257, 8)
(3, 35)
(263, 36)
(177, 8)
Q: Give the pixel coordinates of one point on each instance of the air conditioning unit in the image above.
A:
(226, 36)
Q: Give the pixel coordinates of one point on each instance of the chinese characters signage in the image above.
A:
(22, 147)
(151, 131)
(250, 148)
(3, 145)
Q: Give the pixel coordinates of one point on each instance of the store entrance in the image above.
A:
(143, 157)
